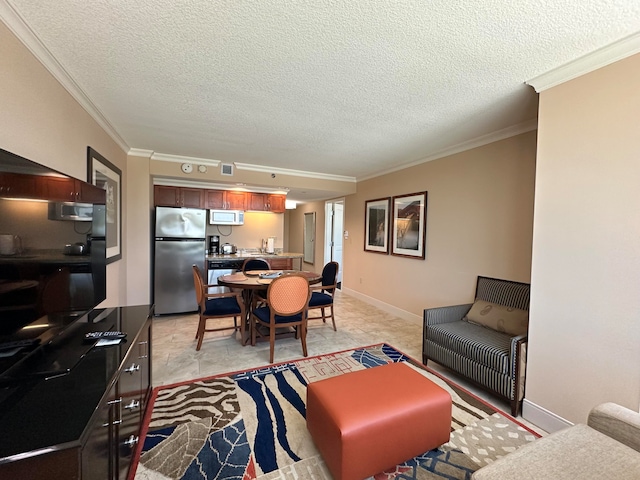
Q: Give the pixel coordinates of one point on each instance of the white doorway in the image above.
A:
(333, 233)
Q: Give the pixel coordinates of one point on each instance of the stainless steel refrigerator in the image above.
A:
(179, 243)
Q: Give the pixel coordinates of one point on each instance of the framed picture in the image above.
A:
(409, 225)
(104, 174)
(376, 227)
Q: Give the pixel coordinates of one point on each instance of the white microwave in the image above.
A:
(226, 217)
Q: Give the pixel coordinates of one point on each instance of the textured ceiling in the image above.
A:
(349, 88)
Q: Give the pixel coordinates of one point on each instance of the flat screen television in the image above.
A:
(52, 254)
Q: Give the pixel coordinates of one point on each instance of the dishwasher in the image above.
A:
(221, 266)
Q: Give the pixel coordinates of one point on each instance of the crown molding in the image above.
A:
(599, 58)
(294, 173)
(21, 30)
(498, 135)
(139, 152)
(178, 182)
(163, 157)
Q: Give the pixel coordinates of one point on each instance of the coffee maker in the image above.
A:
(214, 244)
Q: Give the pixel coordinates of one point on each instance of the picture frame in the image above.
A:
(376, 225)
(409, 225)
(103, 174)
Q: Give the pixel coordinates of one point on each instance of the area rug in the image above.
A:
(251, 425)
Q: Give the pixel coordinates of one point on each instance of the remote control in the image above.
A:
(18, 344)
(99, 335)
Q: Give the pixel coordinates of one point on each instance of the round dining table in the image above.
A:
(255, 280)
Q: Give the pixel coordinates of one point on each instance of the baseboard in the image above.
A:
(385, 307)
(543, 418)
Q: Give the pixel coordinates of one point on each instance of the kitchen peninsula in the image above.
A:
(278, 261)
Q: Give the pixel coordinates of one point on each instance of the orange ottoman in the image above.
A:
(371, 420)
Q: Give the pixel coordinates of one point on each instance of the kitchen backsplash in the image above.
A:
(257, 225)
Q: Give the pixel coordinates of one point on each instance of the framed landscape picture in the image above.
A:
(102, 173)
(376, 229)
(409, 225)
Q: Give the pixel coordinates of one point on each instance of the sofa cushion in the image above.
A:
(482, 345)
(512, 321)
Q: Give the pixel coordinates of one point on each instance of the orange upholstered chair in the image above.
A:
(286, 305)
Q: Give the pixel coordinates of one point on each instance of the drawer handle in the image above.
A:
(118, 402)
(131, 441)
(133, 368)
(133, 405)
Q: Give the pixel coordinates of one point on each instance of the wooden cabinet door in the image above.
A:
(90, 193)
(215, 199)
(236, 200)
(277, 203)
(98, 457)
(281, 263)
(192, 197)
(258, 201)
(18, 185)
(166, 196)
(63, 189)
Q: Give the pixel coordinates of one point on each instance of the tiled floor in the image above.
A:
(175, 358)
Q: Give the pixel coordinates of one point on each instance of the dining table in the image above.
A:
(257, 280)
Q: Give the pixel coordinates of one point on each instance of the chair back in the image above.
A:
(199, 284)
(289, 294)
(251, 264)
(330, 275)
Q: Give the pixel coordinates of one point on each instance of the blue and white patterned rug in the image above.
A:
(251, 425)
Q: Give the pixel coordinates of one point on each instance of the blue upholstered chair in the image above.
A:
(217, 305)
(322, 295)
(286, 305)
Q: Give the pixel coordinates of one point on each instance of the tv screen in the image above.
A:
(52, 249)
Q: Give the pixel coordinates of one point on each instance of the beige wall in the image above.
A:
(296, 233)
(584, 333)
(479, 222)
(40, 121)
(257, 225)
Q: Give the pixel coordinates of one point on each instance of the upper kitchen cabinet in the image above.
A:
(168, 196)
(71, 190)
(64, 189)
(264, 202)
(226, 200)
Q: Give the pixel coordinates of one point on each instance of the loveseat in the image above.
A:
(485, 341)
(607, 447)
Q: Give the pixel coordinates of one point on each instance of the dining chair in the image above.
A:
(285, 305)
(322, 295)
(218, 304)
(251, 264)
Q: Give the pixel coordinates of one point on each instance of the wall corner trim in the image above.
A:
(599, 58)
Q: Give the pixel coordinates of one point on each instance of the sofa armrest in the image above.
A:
(435, 316)
(617, 422)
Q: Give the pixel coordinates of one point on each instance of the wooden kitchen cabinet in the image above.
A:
(71, 190)
(281, 263)
(63, 189)
(277, 203)
(226, 200)
(265, 202)
(169, 196)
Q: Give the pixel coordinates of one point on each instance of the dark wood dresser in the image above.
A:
(83, 423)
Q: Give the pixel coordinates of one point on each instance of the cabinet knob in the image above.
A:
(131, 441)
(133, 368)
(133, 405)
